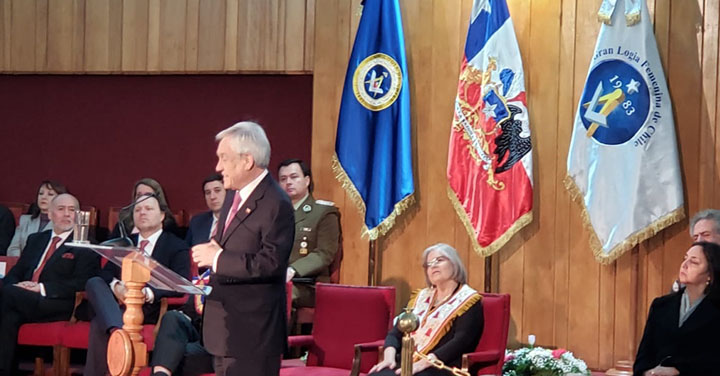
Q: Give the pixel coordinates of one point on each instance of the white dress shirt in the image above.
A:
(149, 248)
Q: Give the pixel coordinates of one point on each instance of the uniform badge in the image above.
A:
(303, 247)
(307, 208)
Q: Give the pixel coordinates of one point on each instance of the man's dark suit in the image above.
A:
(170, 251)
(245, 315)
(199, 229)
(65, 273)
(692, 348)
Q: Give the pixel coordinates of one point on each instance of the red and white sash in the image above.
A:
(434, 324)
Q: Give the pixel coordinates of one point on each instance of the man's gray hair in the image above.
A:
(709, 214)
(247, 137)
(459, 274)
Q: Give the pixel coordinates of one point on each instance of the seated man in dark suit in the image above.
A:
(203, 226)
(42, 285)
(7, 228)
(178, 349)
(164, 247)
(317, 233)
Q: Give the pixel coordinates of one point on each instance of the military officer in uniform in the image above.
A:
(317, 233)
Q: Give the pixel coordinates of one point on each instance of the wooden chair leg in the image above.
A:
(61, 361)
(39, 367)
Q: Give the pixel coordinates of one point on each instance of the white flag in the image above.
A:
(623, 165)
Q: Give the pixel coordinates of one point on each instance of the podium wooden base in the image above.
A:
(127, 353)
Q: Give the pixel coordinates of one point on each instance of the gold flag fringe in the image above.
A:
(638, 236)
(349, 186)
(521, 222)
(632, 18)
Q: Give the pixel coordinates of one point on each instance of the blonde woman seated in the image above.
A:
(682, 330)
(450, 314)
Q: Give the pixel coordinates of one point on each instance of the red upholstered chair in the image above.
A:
(345, 317)
(305, 314)
(489, 355)
(16, 208)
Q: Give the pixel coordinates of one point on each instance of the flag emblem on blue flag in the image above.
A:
(373, 152)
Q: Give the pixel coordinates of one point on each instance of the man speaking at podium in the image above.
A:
(244, 324)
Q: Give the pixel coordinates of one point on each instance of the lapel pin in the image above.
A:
(307, 208)
(247, 210)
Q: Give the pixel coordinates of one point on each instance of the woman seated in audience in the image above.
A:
(36, 219)
(682, 332)
(447, 335)
(142, 187)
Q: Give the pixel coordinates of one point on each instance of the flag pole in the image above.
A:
(488, 273)
(372, 262)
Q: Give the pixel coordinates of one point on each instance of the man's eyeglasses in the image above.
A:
(434, 262)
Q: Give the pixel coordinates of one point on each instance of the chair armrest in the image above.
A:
(163, 311)
(490, 356)
(177, 301)
(297, 341)
(365, 347)
(79, 297)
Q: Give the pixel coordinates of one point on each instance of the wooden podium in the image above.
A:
(127, 353)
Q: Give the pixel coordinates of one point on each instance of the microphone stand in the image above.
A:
(124, 240)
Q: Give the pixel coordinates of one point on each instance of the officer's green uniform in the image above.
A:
(317, 239)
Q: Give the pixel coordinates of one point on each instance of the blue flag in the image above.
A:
(373, 157)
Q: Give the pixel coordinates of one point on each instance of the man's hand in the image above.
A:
(29, 285)
(119, 291)
(204, 254)
(290, 274)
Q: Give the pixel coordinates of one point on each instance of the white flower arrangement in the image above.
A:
(538, 361)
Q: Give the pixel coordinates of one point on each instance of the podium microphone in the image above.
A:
(124, 240)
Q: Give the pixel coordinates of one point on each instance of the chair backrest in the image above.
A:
(180, 218)
(93, 214)
(496, 313)
(345, 316)
(17, 209)
(113, 214)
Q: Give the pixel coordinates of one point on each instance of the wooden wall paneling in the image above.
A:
(41, 26)
(709, 63)
(153, 38)
(5, 29)
(192, 22)
(584, 278)
(231, 35)
(332, 31)
(606, 315)
(293, 38)
(22, 50)
(309, 53)
(103, 33)
(173, 20)
(566, 109)
(712, 6)
(399, 249)
(543, 53)
(684, 77)
(625, 304)
(60, 35)
(211, 35)
(250, 48)
(135, 35)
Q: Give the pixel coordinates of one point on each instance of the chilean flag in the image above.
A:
(490, 155)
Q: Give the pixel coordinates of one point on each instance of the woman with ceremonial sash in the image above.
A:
(450, 315)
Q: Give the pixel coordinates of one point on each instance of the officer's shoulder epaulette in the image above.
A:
(325, 202)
